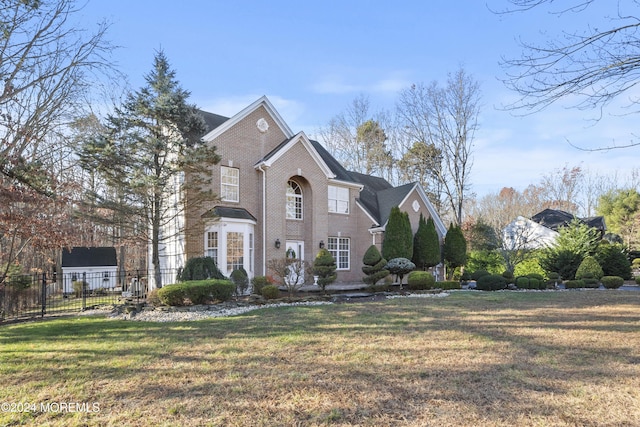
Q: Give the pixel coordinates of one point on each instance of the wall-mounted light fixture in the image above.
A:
(321, 244)
(277, 244)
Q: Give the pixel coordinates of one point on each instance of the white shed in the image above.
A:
(97, 267)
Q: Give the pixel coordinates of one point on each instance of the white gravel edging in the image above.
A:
(185, 316)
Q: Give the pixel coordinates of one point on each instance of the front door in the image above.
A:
(295, 251)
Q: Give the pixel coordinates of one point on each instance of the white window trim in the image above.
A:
(224, 226)
(298, 198)
(334, 201)
(224, 185)
(336, 252)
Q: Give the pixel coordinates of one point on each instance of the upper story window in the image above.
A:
(294, 200)
(338, 199)
(229, 184)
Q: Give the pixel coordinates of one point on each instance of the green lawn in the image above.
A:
(473, 358)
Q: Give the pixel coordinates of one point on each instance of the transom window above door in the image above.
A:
(294, 200)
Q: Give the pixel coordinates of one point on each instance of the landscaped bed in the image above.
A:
(472, 358)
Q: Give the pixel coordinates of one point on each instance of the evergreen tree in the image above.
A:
(147, 146)
(398, 238)
(373, 267)
(324, 266)
(434, 255)
(426, 245)
(455, 248)
(419, 244)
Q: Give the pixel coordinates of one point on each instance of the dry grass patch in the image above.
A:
(491, 359)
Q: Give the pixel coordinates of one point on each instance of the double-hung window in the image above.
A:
(340, 248)
(338, 199)
(229, 184)
(212, 245)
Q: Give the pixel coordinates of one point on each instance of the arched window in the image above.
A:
(294, 200)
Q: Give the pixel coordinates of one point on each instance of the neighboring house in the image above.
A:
(96, 266)
(542, 229)
(280, 193)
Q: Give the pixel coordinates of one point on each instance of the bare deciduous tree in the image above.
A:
(446, 118)
(591, 66)
(358, 139)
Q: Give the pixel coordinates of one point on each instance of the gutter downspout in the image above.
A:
(264, 219)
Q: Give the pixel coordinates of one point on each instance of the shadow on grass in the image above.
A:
(493, 355)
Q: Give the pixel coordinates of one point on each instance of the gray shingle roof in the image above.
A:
(227, 212)
(212, 120)
(89, 257)
(556, 219)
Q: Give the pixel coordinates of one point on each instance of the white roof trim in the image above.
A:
(262, 101)
(351, 184)
(373, 220)
(306, 143)
(440, 228)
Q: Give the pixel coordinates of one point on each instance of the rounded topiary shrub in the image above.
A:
(374, 266)
(589, 268)
(522, 282)
(270, 292)
(258, 283)
(173, 295)
(447, 285)
(574, 284)
(535, 283)
(508, 275)
(420, 280)
(612, 282)
(478, 274)
(492, 282)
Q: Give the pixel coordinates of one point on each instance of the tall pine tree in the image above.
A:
(148, 145)
(426, 244)
(455, 249)
(398, 238)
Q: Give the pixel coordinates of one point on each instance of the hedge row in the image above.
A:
(196, 292)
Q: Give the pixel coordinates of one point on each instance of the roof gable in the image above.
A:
(89, 257)
(275, 154)
(225, 125)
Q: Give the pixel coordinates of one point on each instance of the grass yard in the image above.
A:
(470, 359)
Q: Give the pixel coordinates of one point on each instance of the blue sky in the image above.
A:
(313, 58)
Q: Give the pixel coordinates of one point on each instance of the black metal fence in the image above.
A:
(39, 295)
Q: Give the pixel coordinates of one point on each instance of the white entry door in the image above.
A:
(295, 250)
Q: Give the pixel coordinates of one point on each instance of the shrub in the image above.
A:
(589, 268)
(612, 282)
(508, 276)
(221, 289)
(574, 284)
(78, 287)
(260, 282)
(478, 274)
(153, 298)
(240, 280)
(374, 266)
(198, 292)
(637, 280)
(270, 292)
(420, 280)
(172, 295)
(200, 268)
(448, 285)
(535, 283)
(492, 282)
(522, 282)
(324, 266)
(614, 261)
(400, 267)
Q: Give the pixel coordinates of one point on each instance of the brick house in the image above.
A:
(280, 191)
